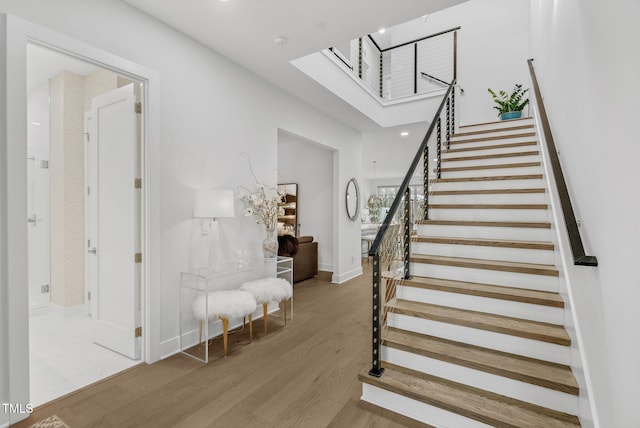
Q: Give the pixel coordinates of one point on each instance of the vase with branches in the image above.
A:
(263, 204)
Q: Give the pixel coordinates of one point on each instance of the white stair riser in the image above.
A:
(516, 233)
(466, 142)
(452, 153)
(523, 255)
(485, 276)
(535, 394)
(497, 125)
(507, 308)
(487, 339)
(490, 198)
(492, 172)
(414, 409)
(481, 214)
(488, 184)
(489, 161)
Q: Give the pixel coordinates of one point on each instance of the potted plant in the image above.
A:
(510, 106)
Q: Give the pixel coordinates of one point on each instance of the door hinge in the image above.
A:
(88, 190)
(138, 258)
(88, 295)
(138, 332)
(138, 108)
(138, 183)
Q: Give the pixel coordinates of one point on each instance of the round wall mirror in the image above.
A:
(352, 199)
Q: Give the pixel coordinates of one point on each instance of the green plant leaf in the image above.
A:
(510, 102)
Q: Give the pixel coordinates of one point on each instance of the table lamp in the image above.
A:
(210, 205)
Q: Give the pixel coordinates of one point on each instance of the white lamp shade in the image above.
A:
(213, 203)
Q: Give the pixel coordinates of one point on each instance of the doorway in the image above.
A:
(84, 215)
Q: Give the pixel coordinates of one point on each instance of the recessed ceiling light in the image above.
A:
(404, 133)
(35, 123)
(279, 40)
(382, 30)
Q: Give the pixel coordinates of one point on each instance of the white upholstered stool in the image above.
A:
(224, 305)
(267, 290)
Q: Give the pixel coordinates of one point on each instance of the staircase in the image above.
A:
(476, 338)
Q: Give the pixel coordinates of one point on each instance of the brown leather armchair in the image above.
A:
(305, 260)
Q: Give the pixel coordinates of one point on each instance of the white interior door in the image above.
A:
(38, 229)
(90, 214)
(38, 197)
(114, 240)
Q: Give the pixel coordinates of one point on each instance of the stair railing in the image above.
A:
(391, 248)
(400, 71)
(579, 256)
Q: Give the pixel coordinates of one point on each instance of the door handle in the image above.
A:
(92, 250)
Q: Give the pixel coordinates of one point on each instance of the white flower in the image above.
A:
(263, 203)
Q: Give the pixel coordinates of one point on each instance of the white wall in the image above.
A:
(311, 167)
(493, 46)
(4, 274)
(585, 61)
(211, 110)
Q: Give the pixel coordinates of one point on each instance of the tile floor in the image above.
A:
(64, 358)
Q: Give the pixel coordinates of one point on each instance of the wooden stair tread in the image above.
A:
(491, 156)
(490, 206)
(502, 243)
(491, 138)
(474, 403)
(523, 295)
(536, 225)
(527, 329)
(488, 131)
(518, 267)
(486, 191)
(492, 147)
(493, 166)
(490, 178)
(548, 375)
(495, 122)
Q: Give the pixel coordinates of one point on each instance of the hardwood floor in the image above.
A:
(301, 375)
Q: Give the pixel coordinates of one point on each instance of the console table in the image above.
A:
(229, 277)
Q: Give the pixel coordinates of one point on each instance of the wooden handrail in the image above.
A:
(579, 256)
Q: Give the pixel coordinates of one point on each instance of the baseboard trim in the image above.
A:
(171, 346)
(339, 279)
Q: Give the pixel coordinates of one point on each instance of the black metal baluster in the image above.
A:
(425, 182)
(453, 112)
(381, 77)
(376, 370)
(415, 68)
(439, 147)
(407, 232)
(448, 123)
(360, 57)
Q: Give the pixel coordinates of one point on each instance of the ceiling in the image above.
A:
(244, 31)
